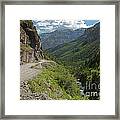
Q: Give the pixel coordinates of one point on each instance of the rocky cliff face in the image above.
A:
(30, 44)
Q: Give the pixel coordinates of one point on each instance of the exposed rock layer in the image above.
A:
(30, 44)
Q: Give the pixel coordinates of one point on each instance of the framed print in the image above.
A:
(59, 59)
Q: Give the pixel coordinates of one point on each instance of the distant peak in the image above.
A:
(47, 26)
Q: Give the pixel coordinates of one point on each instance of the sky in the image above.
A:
(90, 22)
(46, 26)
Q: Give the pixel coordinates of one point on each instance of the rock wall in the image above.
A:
(30, 44)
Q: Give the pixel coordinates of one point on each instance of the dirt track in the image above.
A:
(30, 70)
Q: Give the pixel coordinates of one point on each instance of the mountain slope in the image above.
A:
(82, 58)
(60, 36)
(80, 51)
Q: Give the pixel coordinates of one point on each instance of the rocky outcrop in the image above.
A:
(30, 44)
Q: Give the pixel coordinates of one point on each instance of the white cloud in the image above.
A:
(51, 25)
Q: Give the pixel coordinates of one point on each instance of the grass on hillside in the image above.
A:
(57, 83)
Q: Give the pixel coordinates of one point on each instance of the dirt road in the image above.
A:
(30, 70)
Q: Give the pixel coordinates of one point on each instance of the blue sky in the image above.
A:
(90, 22)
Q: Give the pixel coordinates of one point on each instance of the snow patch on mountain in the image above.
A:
(47, 26)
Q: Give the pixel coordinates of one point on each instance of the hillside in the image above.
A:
(60, 36)
(81, 57)
(81, 50)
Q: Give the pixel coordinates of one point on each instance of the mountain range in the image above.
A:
(83, 50)
(60, 36)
